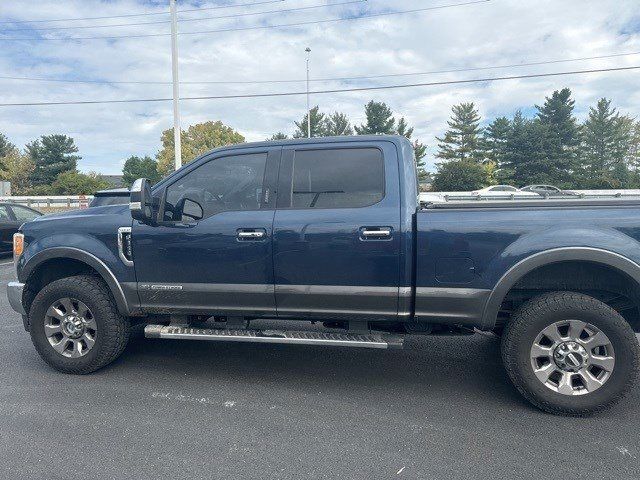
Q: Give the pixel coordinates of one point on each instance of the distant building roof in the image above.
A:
(114, 180)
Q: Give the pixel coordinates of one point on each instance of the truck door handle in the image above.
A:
(251, 234)
(376, 232)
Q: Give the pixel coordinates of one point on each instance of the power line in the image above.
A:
(319, 92)
(129, 15)
(325, 79)
(158, 22)
(260, 27)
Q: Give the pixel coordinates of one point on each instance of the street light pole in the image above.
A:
(176, 85)
(308, 50)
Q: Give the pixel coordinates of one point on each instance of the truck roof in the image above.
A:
(315, 140)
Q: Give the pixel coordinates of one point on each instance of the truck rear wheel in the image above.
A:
(75, 325)
(568, 353)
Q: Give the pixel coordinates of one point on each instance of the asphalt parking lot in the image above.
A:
(440, 408)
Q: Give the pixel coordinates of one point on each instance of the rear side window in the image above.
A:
(337, 178)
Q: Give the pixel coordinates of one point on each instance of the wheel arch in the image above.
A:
(75, 256)
(606, 258)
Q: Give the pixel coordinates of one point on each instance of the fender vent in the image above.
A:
(125, 249)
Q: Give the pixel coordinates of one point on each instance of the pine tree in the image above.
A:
(561, 142)
(317, 124)
(419, 148)
(605, 145)
(496, 136)
(524, 162)
(278, 136)
(463, 140)
(52, 155)
(337, 124)
(380, 120)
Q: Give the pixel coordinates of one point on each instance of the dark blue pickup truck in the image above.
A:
(330, 231)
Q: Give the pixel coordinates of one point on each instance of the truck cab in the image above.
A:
(302, 231)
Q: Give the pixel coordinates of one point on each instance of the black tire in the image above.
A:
(112, 332)
(540, 312)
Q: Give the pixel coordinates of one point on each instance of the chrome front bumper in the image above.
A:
(14, 293)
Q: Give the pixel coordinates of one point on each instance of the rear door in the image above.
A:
(336, 231)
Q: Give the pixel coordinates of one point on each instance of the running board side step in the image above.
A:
(275, 336)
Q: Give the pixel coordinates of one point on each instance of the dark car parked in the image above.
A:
(11, 217)
(113, 196)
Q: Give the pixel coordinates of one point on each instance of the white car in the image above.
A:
(502, 191)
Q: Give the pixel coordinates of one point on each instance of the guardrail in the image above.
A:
(51, 201)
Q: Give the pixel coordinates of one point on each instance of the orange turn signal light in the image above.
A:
(18, 244)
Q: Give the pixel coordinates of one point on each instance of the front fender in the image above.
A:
(91, 252)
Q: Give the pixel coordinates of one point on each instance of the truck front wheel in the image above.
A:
(568, 353)
(75, 325)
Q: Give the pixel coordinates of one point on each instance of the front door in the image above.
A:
(221, 263)
(337, 232)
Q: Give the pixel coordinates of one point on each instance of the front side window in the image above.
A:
(337, 178)
(220, 185)
(24, 214)
(4, 213)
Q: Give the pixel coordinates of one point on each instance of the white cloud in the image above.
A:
(495, 33)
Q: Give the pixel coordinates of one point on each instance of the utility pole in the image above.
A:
(176, 85)
(308, 50)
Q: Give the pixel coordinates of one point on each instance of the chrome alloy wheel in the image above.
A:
(70, 327)
(572, 357)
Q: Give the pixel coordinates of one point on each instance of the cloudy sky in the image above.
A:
(457, 37)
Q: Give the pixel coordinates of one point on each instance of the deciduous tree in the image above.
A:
(196, 140)
(6, 146)
(17, 167)
(460, 175)
(140, 167)
(75, 183)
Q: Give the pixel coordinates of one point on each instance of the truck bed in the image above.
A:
(465, 249)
